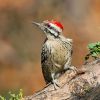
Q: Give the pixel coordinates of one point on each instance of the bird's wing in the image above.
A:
(68, 43)
(45, 54)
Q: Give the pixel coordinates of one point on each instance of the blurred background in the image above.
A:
(21, 42)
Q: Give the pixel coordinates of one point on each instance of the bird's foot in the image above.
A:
(55, 81)
(73, 68)
(56, 84)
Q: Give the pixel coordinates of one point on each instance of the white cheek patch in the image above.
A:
(56, 27)
(54, 33)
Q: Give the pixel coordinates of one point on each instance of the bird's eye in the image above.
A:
(48, 25)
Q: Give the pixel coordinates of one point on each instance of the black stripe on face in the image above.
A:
(47, 29)
(53, 34)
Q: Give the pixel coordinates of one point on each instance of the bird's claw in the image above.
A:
(56, 84)
(73, 68)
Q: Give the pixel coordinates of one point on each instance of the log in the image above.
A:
(83, 84)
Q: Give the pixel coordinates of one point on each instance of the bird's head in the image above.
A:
(51, 28)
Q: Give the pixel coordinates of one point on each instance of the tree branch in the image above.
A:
(81, 85)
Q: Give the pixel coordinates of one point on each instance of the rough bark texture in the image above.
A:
(74, 85)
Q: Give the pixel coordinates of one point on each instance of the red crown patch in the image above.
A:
(57, 24)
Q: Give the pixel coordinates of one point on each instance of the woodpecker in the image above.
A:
(56, 54)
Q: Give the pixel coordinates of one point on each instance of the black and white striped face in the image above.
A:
(49, 28)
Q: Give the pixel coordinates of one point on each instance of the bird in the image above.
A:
(56, 53)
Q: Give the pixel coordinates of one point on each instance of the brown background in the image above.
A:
(21, 42)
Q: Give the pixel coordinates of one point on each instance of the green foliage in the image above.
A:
(94, 50)
(13, 96)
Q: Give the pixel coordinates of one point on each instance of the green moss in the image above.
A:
(13, 96)
(94, 50)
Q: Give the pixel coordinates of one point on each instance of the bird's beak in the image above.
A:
(35, 23)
